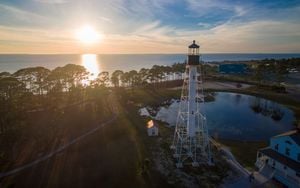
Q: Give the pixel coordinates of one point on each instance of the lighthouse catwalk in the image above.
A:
(191, 140)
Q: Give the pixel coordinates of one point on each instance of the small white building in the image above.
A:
(152, 128)
(282, 159)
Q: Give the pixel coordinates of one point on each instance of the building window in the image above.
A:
(276, 147)
(298, 174)
(288, 142)
(287, 151)
(298, 156)
(194, 77)
(284, 167)
(274, 164)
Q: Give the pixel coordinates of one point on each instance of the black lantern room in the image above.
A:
(193, 54)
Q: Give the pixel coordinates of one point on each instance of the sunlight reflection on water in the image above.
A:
(90, 62)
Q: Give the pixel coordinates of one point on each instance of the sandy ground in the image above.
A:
(294, 91)
(221, 85)
(224, 85)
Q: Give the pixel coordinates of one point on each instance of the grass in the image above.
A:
(150, 96)
(158, 148)
(244, 151)
(108, 158)
(114, 156)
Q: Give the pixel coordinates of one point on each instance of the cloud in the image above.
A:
(255, 36)
(52, 1)
(105, 19)
(18, 17)
(133, 26)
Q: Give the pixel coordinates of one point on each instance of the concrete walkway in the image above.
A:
(244, 180)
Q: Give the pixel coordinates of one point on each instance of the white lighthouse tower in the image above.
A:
(191, 140)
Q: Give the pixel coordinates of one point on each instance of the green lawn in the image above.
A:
(244, 152)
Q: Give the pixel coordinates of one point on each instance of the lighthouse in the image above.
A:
(191, 140)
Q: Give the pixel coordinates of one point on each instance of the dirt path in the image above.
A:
(58, 150)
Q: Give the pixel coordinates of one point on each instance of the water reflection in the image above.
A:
(238, 117)
(90, 62)
(266, 108)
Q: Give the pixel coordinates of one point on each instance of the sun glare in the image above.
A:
(88, 34)
(90, 62)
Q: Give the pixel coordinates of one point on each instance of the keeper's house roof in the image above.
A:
(294, 134)
(281, 158)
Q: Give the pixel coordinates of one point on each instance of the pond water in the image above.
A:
(238, 117)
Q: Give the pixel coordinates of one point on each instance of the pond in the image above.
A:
(238, 117)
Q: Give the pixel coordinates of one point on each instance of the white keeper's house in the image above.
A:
(281, 159)
(152, 128)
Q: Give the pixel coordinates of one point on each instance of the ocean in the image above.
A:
(98, 63)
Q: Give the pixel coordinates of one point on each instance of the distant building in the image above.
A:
(232, 68)
(152, 128)
(282, 159)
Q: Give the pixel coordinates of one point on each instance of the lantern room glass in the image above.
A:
(193, 51)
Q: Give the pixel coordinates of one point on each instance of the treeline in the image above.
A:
(38, 88)
(275, 71)
(34, 88)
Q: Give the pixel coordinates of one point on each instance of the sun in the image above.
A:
(88, 34)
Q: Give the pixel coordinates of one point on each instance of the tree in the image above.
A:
(134, 78)
(280, 71)
(144, 75)
(35, 76)
(178, 68)
(25, 76)
(125, 78)
(64, 78)
(259, 71)
(103, 79)
(4, 74)
(116, 77)
(12, 93)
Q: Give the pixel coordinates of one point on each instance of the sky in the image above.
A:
(150, 26)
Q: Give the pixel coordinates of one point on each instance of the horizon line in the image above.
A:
(148, 53)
